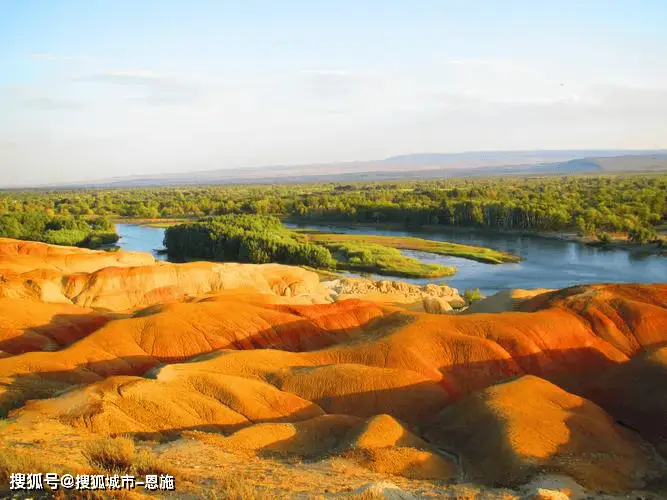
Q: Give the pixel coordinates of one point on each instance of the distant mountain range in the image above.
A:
(415, 166)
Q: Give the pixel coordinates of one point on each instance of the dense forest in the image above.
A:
(592, 206)
(244, 238)
(260, 239)
(90, 232)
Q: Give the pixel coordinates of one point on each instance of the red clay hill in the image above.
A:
(259, 360)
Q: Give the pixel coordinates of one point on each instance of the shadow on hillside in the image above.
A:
(638, 399)
(597, 452)
(599, 458)
(44, 381)
(61, 331)
(575, 370)
(64, 330)
(651, 294)
(481, 437)
(580, 441)
(569, 368)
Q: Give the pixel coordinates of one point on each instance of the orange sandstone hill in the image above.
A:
(260, 362)
(124, 281)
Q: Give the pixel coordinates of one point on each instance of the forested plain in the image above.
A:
(594, 206)
(57, 229)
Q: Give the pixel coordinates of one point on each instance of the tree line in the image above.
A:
(92, 232)
(260, 239)
(244, 238)
(590, 205)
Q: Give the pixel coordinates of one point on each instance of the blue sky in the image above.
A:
(93, 88)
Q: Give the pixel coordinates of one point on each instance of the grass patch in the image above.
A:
(379, 259)
(111, 455)
(324, 274)
(480, 254)
(162, 225)
(12, 462)
(235, 487)
(119, 456)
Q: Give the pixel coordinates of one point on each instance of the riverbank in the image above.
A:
(547, 262)
(471, 252)
(619, 242)
(261, 239)
(156, 223)
(487, 255)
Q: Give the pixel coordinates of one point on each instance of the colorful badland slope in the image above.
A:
(260, 360)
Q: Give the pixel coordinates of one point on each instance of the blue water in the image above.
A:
(141, 239)
(547, 263)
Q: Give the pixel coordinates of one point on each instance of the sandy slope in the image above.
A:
(257, 361)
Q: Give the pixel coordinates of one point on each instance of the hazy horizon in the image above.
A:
(98, 90)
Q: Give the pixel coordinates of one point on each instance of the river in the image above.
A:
(135, 238)
(546, 263)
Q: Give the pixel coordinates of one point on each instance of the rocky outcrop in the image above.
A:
(436, 305)
(434, 299)
(124, 289)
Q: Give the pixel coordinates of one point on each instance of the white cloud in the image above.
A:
(141, 120)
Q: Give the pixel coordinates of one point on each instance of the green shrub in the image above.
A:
(472, 295)
(100, 238)
(67, 237)
(604, 238)
(642, 235)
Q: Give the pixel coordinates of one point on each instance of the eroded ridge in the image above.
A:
(260, 361)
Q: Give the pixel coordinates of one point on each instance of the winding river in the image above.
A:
(546, 263)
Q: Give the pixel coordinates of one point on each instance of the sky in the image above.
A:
(92, 89)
